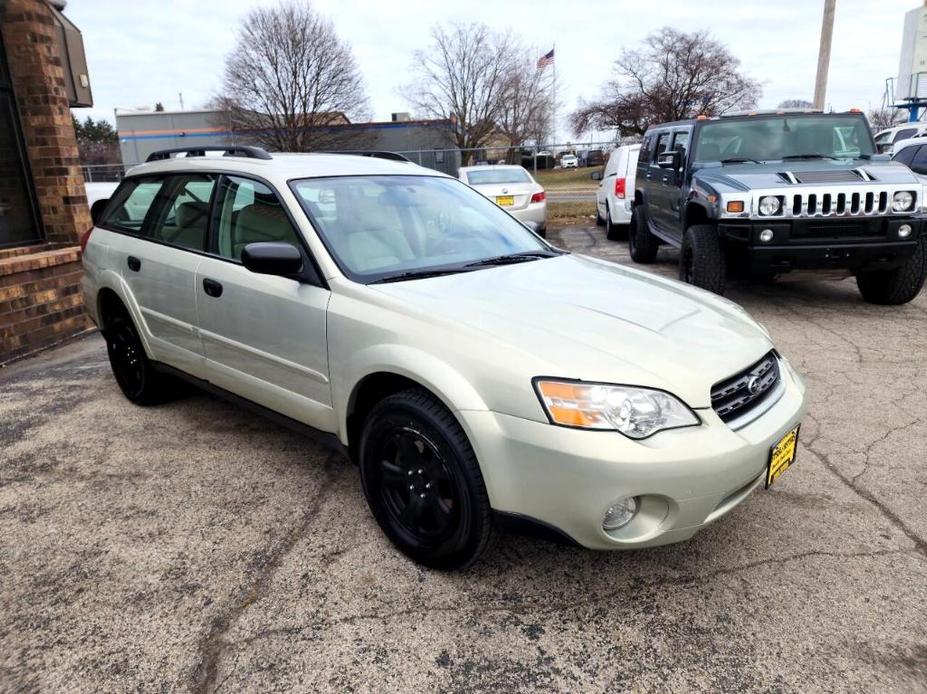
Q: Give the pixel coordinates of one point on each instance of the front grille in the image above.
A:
(874, 200)
(739, 394)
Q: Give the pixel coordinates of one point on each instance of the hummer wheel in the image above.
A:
(701, 260)
(898, 286)
(642, 245)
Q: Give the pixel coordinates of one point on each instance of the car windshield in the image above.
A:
(488, 176)
(383, 228)
(783, 137)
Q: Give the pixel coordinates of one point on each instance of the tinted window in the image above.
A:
(131, 204)
(663, 142)
(183, 216)
(483, 176)
(906, 155)
(919, 165)
(904, 134)
(376, 226)
(249, 212)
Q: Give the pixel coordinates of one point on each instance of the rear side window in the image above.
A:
(906, 156)
(131, 204)
(249, 212)
(183, 218)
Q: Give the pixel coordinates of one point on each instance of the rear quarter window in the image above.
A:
(131, 203)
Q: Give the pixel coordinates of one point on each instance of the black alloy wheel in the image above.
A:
(423, 483)
(131, 367)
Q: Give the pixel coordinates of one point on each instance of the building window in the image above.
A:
(17, 209)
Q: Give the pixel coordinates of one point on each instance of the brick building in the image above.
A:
(43, 205)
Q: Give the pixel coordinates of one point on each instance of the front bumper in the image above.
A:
(854, 244)
(685, 478)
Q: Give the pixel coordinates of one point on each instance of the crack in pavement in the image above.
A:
(890, 515)
(522, 608)
(868, 452)
(212, 646)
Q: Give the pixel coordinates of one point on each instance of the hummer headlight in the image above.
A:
(902, 201)
(635, 412)
(769, 205)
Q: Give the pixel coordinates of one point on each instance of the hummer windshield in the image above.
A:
(783, 137)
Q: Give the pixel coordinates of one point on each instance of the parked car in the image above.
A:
(569, 161)
(885, 140)
(513, 189)
(616, 192)
(768, 193)
(474, 372)
(913, 154)
(592, 157)
(541, 161)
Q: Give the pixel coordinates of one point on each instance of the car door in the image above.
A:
(164, 222)
(673, 182)
(264, 335)
(658, 207)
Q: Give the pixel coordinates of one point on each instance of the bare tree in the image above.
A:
(674, 76)
(526, 103)
(463, 76)
(885, 117)
(290, 82)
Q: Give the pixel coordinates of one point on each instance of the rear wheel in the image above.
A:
(131, 367)
(898, 286)
(642, 245)
(613, 232)
(423, 483)
(701, 260)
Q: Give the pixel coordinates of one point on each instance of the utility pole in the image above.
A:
(827, 33)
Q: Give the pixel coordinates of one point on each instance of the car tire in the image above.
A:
(423, 483)
(614, 232)
(898, 286)
(701, 259)
(134, 372)
(642, 245)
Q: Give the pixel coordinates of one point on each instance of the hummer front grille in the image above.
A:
(844, 201)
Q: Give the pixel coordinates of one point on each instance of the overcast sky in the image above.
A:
(144, 51)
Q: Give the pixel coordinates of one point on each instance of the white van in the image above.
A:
(616, 192)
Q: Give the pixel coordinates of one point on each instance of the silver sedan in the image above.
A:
(513, 189)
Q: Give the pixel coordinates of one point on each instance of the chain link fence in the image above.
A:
(534, 158)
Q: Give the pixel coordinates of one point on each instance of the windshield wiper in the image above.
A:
(810, 155)
(511, 258)
(417, 275)
(739, 160)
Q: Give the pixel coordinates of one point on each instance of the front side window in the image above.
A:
(489, 176)
(131, 203)
(775, 138)
(681, 143)
(663, 143)
(248, 211)
(381, 226)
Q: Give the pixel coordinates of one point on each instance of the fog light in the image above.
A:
(619, 513)
(904, 231)
(767, 235)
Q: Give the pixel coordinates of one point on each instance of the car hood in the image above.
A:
(581, 318)
(744, 177)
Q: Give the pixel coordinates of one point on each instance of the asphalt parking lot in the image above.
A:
(194, 546)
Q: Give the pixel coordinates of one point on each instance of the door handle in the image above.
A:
(212, 287)
(134, 263)
(665, 179)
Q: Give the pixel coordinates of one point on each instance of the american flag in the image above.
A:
(546, 59)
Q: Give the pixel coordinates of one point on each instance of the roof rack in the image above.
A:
(231, 151)
(378, 154)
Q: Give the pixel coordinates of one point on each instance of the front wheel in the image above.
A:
(701, 260)
(423, 483)
(898, 286)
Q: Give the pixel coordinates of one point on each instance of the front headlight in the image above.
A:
(902, 201)
(635, 412)
(769, 205)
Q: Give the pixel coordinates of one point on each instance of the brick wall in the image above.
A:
(40, 302)
(38, 82)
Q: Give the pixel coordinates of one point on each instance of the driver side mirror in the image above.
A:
(596, 175)
(272, 258)
(670, 160)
